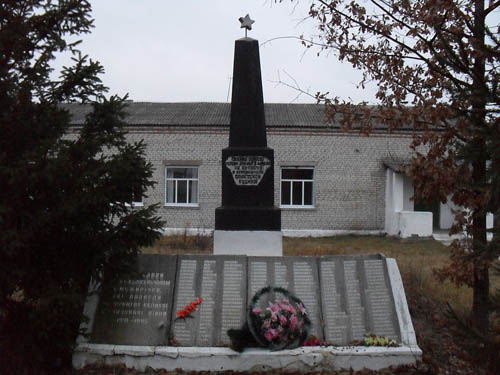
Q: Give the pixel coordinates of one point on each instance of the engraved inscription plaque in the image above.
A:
(221, 282)
(138, 311)
(355, 309)
(258, 277)
(306, 287)
(379, 299)
(334, 314)
(207, 307)
(356, 298)
(247, 170)
(234, 300)
(186, 290)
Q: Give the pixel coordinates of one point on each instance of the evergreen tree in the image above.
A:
(65, 192)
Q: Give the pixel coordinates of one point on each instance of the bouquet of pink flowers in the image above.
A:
(277, 319)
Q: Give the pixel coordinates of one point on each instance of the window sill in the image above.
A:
(298, 208)
(174, 205)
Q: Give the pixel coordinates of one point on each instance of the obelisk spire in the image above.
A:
(247, 222)
(248, 126)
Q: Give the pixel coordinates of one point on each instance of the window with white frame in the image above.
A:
(181, 186)
(297, 187)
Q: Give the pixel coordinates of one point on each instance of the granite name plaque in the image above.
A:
(221, 283)
(138, 311)
(299, 275)
(356, 298)
(346, 298)
(247, 170)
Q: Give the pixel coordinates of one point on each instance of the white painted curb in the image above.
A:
(218, 359)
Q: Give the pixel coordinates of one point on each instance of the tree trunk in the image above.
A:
(480, 302)
(481, 287)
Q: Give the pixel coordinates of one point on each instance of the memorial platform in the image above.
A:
(134, 322)
(220, 359)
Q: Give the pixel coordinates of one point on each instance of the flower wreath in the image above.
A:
(283, 324)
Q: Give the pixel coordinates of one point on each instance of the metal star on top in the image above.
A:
(246, 23)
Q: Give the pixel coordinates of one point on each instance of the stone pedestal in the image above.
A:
(246, 242)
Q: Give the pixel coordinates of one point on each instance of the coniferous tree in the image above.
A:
(65, 216)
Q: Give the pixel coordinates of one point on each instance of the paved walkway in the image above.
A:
(442, 236)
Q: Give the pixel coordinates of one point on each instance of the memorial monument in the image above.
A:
(141, 322)
(247, 223)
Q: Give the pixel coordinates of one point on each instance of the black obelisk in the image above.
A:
(247, 222)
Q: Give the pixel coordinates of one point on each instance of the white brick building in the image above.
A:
(326, 181)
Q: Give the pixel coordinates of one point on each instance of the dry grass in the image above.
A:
(181, 244)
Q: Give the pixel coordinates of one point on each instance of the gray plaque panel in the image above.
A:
(137, 312)
(221, 282)
(234, 301)
(381, 310)
(206, 326)
(356, 298)
(187, 288)
(334, 312)
(355, 307)
(297, 274)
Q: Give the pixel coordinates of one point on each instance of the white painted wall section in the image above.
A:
(391, 219)
(414, 223)
(400, 219)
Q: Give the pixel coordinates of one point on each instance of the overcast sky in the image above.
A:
(182, 51)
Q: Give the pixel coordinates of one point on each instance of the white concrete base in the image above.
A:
(219, 359)
(251, 243)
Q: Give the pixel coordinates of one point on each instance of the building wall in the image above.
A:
(349, 176)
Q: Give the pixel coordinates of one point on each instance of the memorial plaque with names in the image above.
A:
(221, 282)
(138, 311)
(379, 300)
(346, 296)
(299, 275)
(234, 301)
(356, 298)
